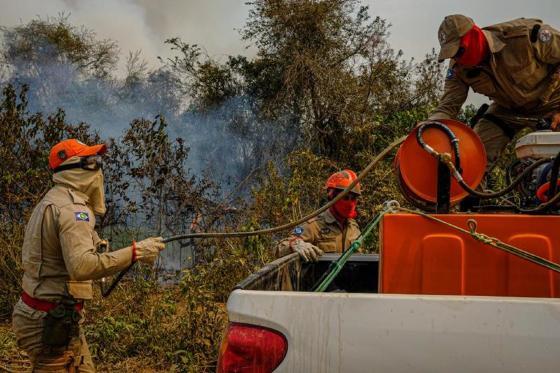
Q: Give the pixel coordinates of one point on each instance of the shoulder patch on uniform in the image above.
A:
(545, 36)
(298, 231)
(81, 216)
(450, 74)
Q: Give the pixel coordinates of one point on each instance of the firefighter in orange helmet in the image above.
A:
(60, 260)
(330, 232)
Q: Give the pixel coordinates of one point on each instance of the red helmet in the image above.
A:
(342, 179)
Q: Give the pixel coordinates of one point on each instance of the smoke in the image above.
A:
(227, 143)
(145, 24)
(110, 104)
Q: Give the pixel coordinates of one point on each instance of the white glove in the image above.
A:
(148, 250)
(307, 251)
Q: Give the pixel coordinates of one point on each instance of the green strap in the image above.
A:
(393, 206)
(337, 265)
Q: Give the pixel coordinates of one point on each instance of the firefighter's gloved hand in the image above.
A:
(147, 251)
(307, 251)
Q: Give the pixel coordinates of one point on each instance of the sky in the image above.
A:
(214, 24)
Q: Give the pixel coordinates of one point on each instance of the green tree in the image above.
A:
(328, 63)
(25, 142)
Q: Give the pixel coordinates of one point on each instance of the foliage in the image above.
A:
(11, 237)
(324, 92)
(54, 40)
(24, 145)
(332, 68)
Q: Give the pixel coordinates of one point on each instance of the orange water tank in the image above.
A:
(420, 256)
(417, 170)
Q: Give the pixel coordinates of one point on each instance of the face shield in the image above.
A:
(85, 175)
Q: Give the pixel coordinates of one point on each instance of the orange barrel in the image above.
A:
(417, 170)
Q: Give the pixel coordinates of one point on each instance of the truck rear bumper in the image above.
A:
(341, 332)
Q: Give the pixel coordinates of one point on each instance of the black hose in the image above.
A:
(543, 206)
(106, 292)
(508, 188)
(457, 172)
(452, 138)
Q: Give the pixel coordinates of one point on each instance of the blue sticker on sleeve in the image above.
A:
(298, 231)
(450, 74)
(81, 216)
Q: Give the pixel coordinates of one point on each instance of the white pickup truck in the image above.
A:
(442, 296)
(354, 328)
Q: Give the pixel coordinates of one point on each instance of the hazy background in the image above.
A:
(145, 24)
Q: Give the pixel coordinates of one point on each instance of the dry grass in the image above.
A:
(146, 327)
(11, 358)
(11, 238)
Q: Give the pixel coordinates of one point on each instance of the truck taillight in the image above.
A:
(251, 348)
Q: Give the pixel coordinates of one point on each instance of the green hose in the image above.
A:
(336, 266)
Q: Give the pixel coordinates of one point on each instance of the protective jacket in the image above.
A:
(59, 248)
(323, 231)
(519, 74)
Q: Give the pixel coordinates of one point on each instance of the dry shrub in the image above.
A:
(179, 327)
(337, 97)
(11, 238)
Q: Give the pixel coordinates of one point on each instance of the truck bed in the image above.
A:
(359, 275)
(352, 328)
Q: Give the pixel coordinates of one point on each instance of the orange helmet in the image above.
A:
(342, 179)
(67, 149)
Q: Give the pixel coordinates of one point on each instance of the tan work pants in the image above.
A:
(28, 327)
(494, 137)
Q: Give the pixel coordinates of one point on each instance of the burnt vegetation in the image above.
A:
(198, 144)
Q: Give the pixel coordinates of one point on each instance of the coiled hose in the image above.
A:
(457, 172)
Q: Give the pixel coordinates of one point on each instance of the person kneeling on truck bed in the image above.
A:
(60, 260)
(516, 64)
(330, 232)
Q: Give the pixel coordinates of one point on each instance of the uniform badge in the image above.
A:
(81, 216)
(298, 231)
(545, 36)
(450, 74)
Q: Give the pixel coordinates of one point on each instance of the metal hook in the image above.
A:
(472, 224)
